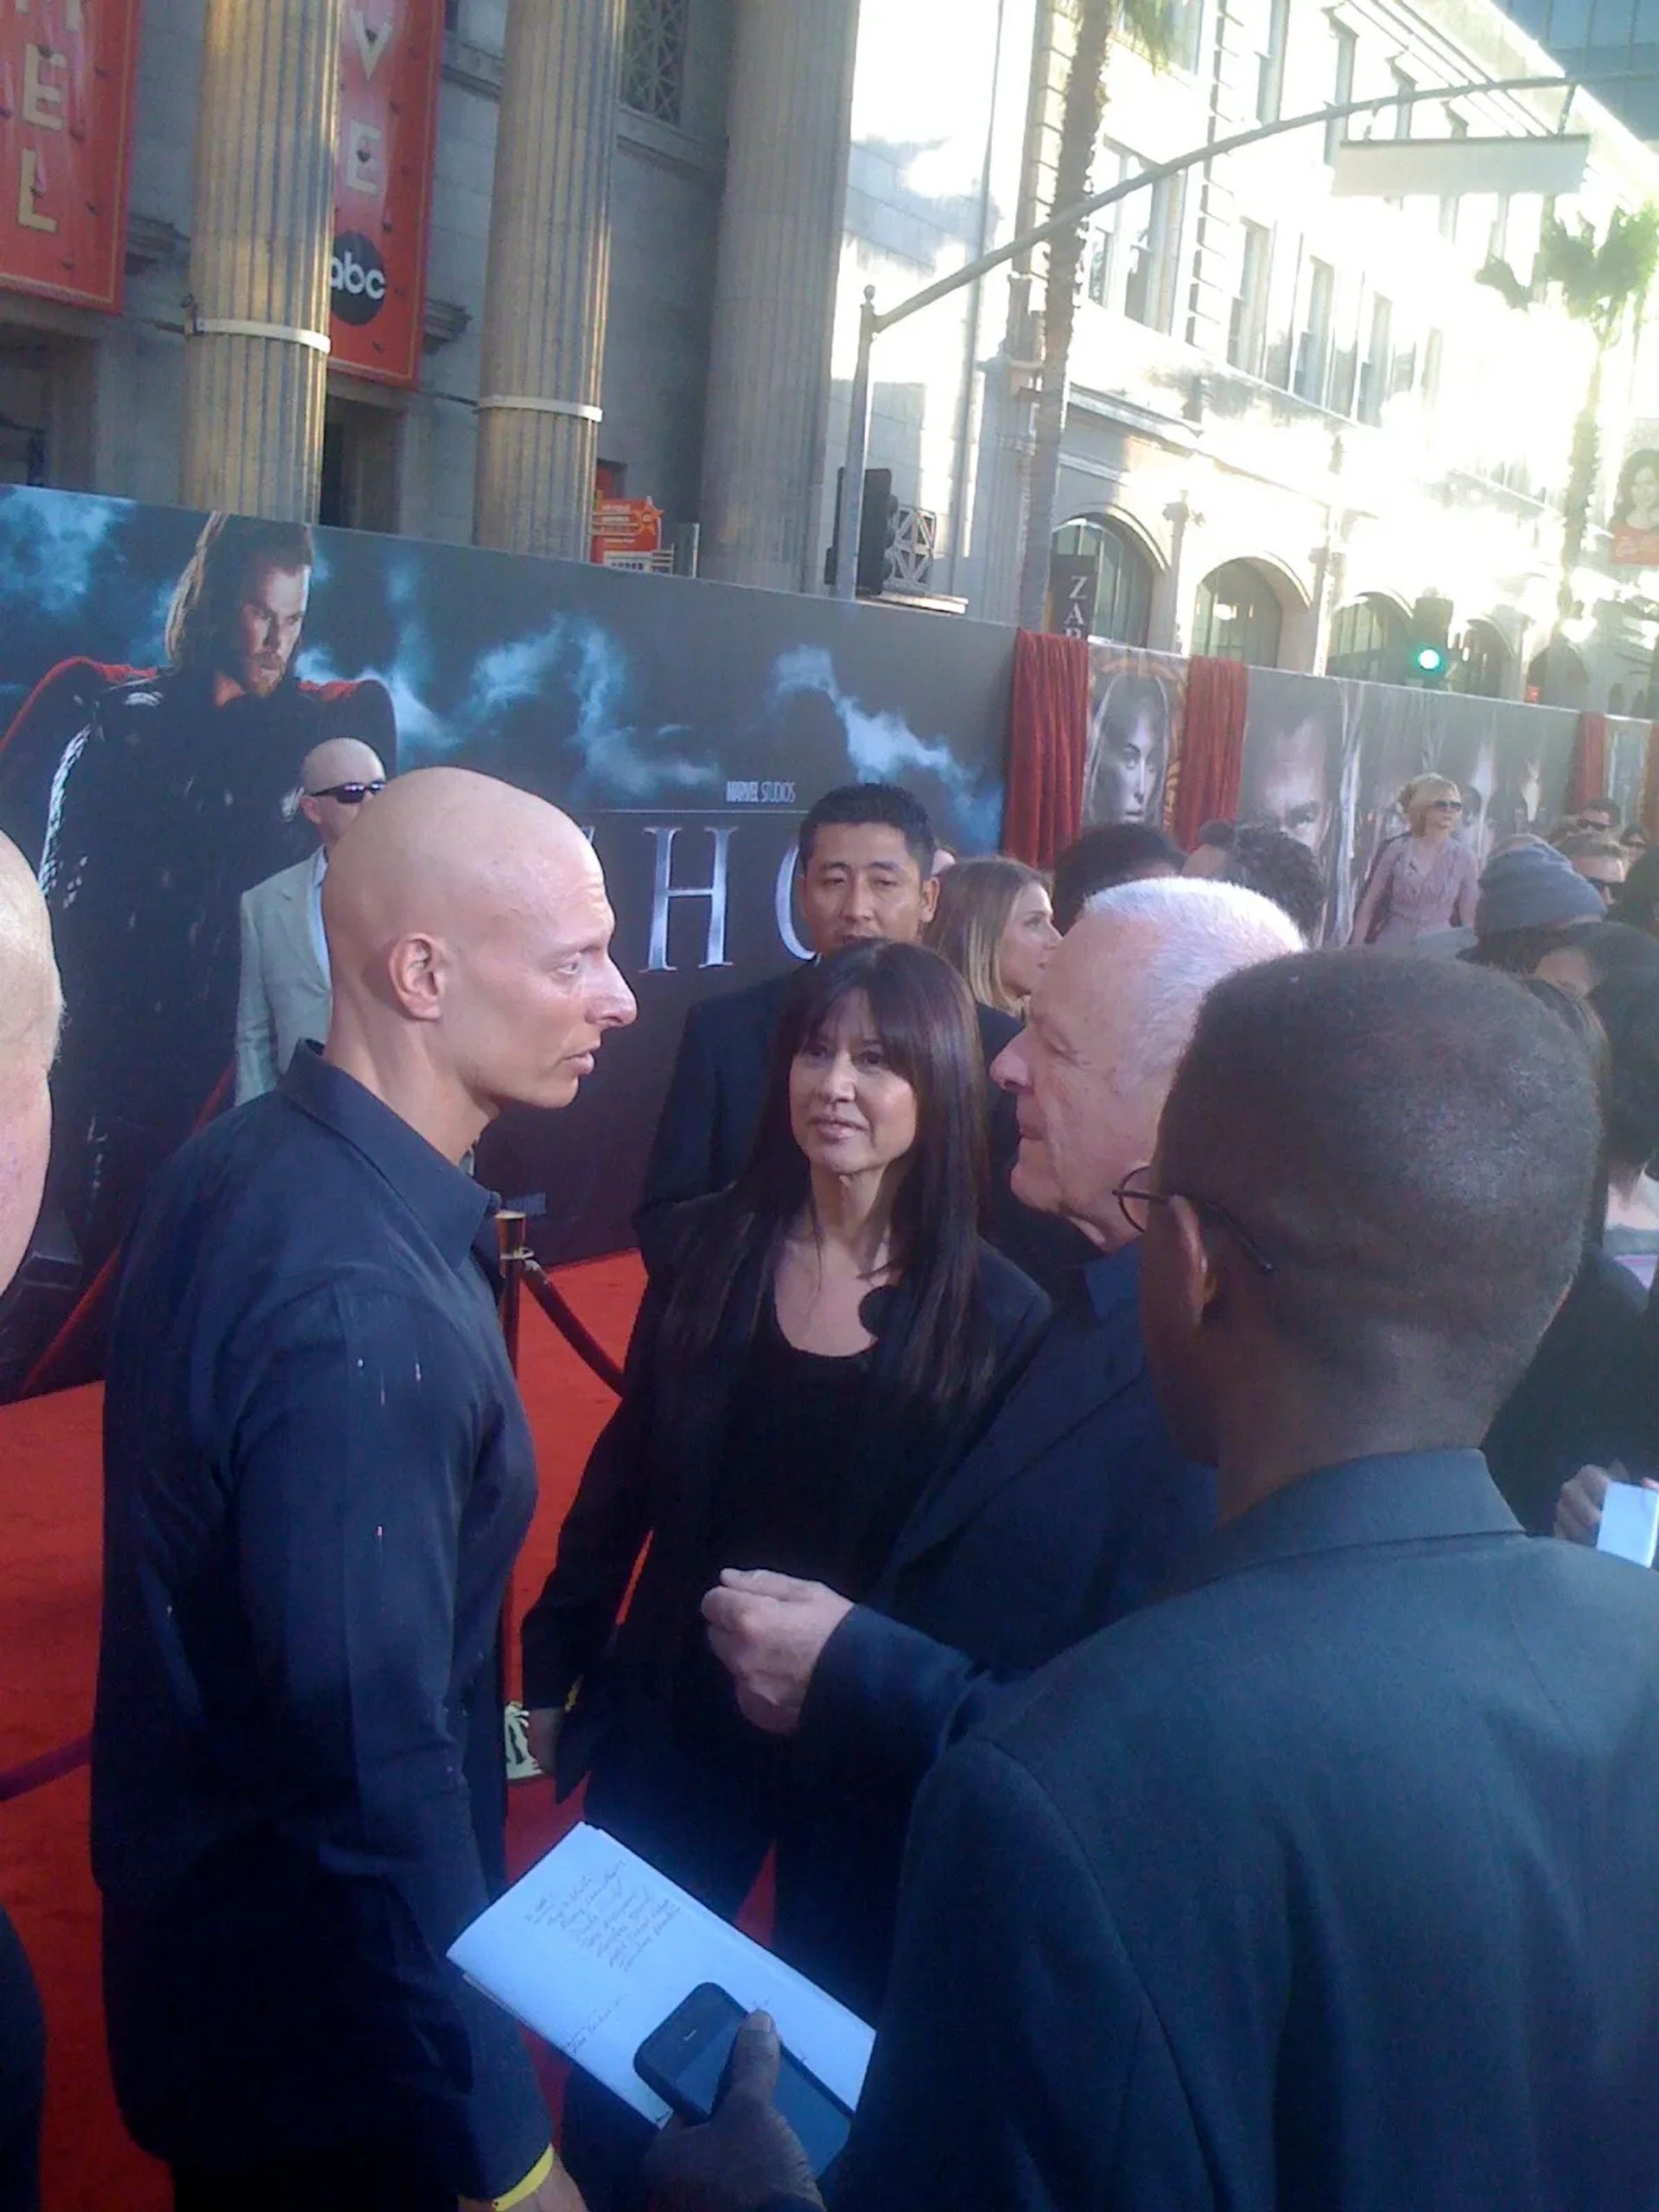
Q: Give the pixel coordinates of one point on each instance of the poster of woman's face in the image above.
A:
(1134, 727)
(1637, 504)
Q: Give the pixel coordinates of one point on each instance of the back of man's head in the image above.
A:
(1413, 1148)
(29, 1009)
(1269, 860)
(886, 806)
(1114, 853)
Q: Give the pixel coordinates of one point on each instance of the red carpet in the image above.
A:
(49, 1513)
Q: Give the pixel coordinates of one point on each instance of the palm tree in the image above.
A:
(1149, 23)
(1604, 286)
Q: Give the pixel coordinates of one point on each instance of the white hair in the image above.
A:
(1194, 933)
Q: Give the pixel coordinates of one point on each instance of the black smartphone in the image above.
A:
(685, 2061)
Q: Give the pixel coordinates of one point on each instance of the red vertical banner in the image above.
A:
(390, 55)
(65, 118)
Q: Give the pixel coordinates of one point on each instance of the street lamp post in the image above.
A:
(872, 323)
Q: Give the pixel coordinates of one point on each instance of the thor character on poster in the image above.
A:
(158, 797)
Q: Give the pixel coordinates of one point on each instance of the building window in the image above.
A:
(1433, 350)
(1366, 637)
(1451, 205)
(1247, 327)
(1342, 88)
(653, 58)
(1149, 287)
(1270, 63)
(1124, 592)
(1238, 616)
(1313, 339)
(1376, 371)
(1483, 670)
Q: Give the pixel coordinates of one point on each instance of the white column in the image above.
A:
(543, 346)
(780, 233)
(257, 365)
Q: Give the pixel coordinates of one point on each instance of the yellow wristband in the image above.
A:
(531, 2182)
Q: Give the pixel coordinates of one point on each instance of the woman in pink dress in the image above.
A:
(1424, 879)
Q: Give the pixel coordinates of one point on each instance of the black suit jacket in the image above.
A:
(1327, 1884)
(1072, 1509)
(652, 1474)
(713, 1109)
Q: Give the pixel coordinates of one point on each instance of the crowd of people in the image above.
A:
(1078, 1501)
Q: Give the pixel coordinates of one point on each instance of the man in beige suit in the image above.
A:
(285, 995)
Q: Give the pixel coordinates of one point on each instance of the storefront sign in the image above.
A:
(389, 60)
(66, 113)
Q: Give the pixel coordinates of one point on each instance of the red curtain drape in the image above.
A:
(1048, 743)
(1212, 760)
(1589, 762)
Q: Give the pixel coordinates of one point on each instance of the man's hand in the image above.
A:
(747, 2156)
(558, 2193)
(768, 1630)
(1578, 1509)
(541, 1734)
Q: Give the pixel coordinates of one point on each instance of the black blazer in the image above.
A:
(651, 1474)
(1329, 1883)
(1072, 1509)
(717, 1091)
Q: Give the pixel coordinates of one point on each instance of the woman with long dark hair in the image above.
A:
(824, 1337)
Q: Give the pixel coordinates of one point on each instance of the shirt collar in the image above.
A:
(450, 1206)
(320, 866)
(1391, 1498)
(1112, 1281)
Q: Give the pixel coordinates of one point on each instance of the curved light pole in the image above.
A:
(873, 322)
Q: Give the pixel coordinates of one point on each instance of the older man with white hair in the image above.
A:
(30, 1008)
(1074, 1507)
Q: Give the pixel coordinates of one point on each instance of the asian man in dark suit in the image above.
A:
(1074, 1507)
(867, 870)
(1328, 1882)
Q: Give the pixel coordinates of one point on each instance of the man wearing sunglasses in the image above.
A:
(284, 995)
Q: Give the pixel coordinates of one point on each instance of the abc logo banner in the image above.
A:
(390, 57)
(357, 279)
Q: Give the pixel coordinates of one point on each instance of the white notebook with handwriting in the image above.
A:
(593, 1949)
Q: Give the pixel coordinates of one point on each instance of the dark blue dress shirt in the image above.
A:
(317, 1475)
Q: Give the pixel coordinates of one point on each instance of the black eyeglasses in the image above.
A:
(1446, 806)
(350, 794)
(1135, 1203)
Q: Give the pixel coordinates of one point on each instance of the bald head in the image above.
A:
(29, 1009)
(1109, 1022)
(338, 764)
(469, 941)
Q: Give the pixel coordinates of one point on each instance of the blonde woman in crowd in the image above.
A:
(1425, 877)
(994, 924)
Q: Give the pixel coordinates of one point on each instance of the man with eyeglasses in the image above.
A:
(1075, 1507)
(284, 995)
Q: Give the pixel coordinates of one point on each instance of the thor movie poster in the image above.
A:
(153, 733)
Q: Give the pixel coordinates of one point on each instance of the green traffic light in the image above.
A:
(1429, 660)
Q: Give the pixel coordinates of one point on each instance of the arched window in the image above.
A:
(1124, 597)
(1366, 639)
(1557, 677)
(1484, 671)
(1238, 616)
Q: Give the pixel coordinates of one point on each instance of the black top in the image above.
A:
(317, 1474)
(1328, 1883)
(794, 1495)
